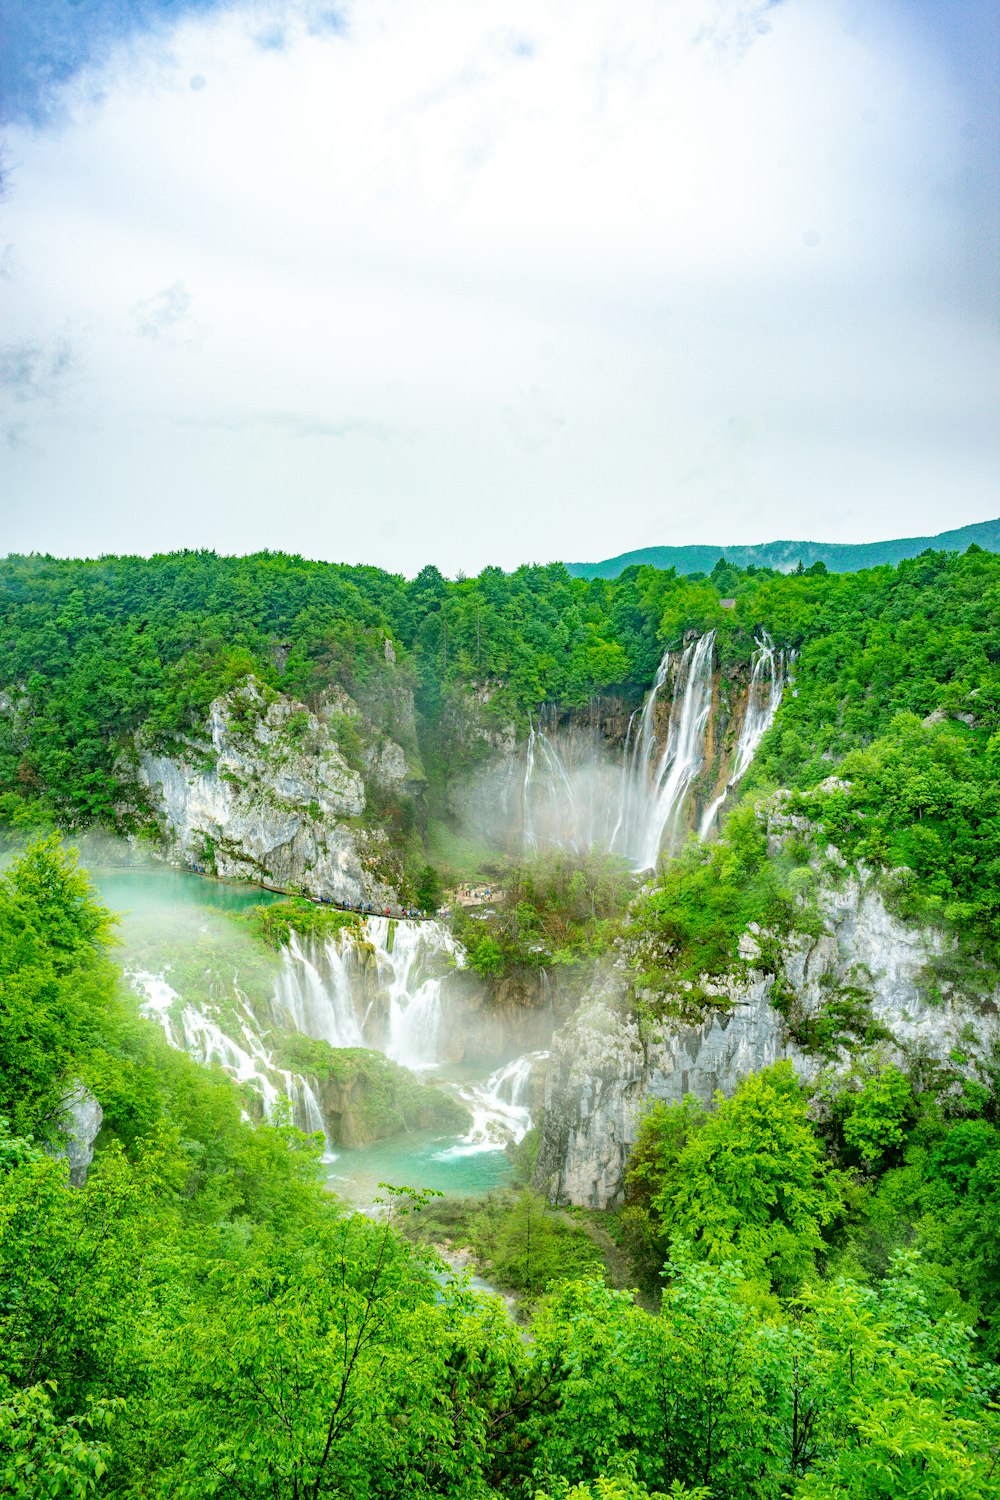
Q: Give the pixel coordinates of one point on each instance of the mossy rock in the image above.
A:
(274, 923)
(366, 1097)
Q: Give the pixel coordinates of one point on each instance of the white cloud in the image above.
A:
(556, 279)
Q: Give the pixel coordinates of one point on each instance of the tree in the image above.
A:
(877, 1114)
(752, 1181)
(43, 1458)
(429, 889)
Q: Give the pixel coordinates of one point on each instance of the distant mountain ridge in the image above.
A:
(839, 557)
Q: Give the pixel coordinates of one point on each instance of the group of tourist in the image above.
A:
(366, 909)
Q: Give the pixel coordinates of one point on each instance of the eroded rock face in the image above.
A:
(268, 796)
(503, 1017)
(602, 1071)
(79, 1123)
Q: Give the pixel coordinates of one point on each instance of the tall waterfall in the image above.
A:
(767, 683)
(567, 792)
(655, 783)
(642, 807)
(414, 997)
(319, 1005)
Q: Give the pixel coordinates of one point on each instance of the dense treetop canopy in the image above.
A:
(92, 650)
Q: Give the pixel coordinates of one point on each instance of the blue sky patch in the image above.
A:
(45, 42)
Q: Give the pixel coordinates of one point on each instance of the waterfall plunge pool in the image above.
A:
(187, 958)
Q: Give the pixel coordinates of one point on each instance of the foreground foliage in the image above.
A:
(202, 1319)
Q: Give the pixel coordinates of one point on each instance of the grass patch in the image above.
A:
(274, 923)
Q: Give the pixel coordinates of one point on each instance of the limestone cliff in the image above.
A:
(603, 1068)
(275, 792)
(78, 1125)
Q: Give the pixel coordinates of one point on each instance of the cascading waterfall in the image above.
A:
(655, 784)
(569, 791)
(402, 949)
(767, 683)
(499, 1111)
(379, 983)
(640, 746)
(636, 811)
(555, 807)
(205, 1041)
(318, 1006)
(527, 815)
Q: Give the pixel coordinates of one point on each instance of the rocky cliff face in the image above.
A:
(269, 795)
(603, 1070)
(502, 1017)
(78, 1127)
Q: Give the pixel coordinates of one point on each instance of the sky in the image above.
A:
(398, 281)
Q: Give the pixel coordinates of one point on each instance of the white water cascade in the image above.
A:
(205, 1041)
(654, 784)
(404, 951)
(498, 1106)
(320, 1005)
(767, 683)
(573, 800)
(568, 789)
(380, 985)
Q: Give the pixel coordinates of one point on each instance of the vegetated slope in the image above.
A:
(92, 651)
(201, 1319)
(841, 557)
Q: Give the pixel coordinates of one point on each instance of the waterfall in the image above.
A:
(205, 1041)
(569, 792)
(767, 683)
(527, 818)
(156, 998)
(319, 992)
(572, 804)
(637, 810)
(499, 1113)
(402, 950)
(655, 784)
(318, 1006)
(564, 816)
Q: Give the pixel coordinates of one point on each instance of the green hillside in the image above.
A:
(839, 557)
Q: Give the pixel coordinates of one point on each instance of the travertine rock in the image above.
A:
(601, 1071)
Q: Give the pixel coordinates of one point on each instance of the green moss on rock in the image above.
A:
(274, 923)
(366, 1097)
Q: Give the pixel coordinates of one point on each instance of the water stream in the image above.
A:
(206, 983)
(641, 808)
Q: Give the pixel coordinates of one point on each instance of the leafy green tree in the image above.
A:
(752, 1182)
(429, 889)
(56, 985)
(652, 1177)
(43, 1458)
(878, 1114)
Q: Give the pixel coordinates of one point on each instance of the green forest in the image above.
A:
(203, 1319)
(91, 652)
(798, 1296)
